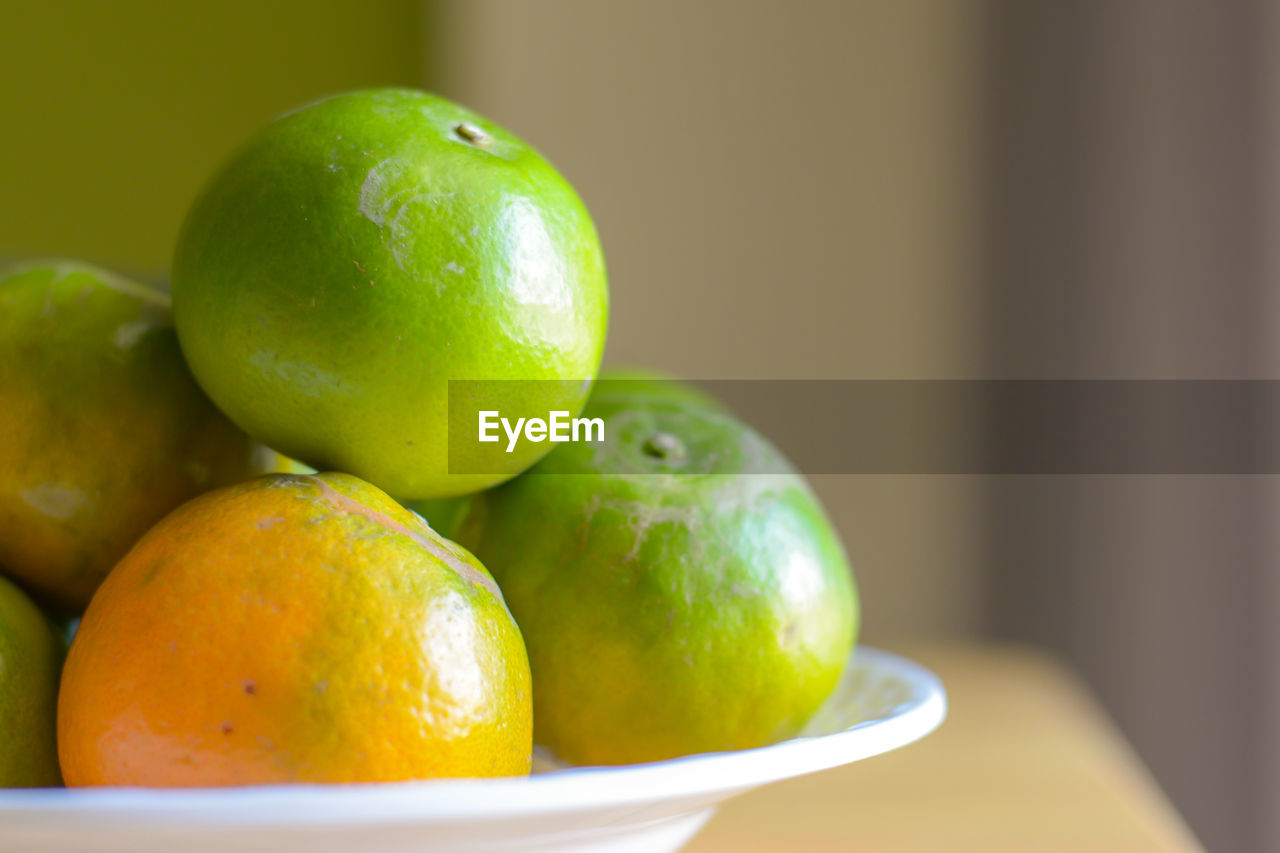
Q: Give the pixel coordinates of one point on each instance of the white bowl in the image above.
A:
(883, 702)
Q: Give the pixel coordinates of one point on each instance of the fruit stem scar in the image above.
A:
(663, 445)
(341, 502)
(470, 133)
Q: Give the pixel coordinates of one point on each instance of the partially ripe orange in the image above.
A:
(294, 629)
(679, 586)
(102, 428)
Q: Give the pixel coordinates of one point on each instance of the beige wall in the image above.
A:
(1128, 160)
(784, 190)
(947, 189)
(1270, 793)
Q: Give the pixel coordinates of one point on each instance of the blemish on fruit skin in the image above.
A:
(372, 203)
(54, 500)
(394, 197)
(128, 334)
(268, 523)
(250, 688)
(227, 728)
(349, 506)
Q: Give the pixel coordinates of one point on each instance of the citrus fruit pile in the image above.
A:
(425, 607)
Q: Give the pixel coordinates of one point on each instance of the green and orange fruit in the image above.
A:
(679, 586)
(102, 428)
(294, 629)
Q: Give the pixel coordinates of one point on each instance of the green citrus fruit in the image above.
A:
(679, 587)
(30, 660)
(444, 515)
(102, 428)
(361, 252)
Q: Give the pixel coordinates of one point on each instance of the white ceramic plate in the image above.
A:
(882, 703)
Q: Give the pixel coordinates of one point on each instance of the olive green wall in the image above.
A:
(113, 113)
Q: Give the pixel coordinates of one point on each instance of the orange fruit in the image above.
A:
(294, 629)
(102, 428)
(358, 254)
(30, 657)
(679, 587)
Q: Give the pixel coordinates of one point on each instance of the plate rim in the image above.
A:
(711, 775)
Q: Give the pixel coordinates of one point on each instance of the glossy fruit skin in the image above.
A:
(30, 659)
(294, 629)
(359, 253)
(669, 606)
(102, 428)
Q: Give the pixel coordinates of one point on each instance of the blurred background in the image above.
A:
(872, 189)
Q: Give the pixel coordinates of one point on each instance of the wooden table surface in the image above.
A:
(1026, 761)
